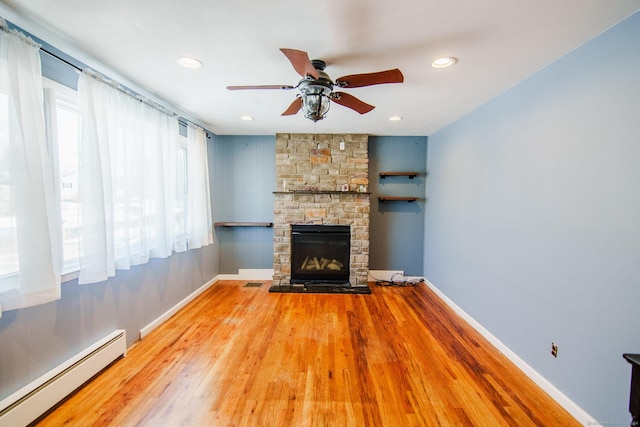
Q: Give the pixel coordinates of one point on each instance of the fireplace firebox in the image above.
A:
(320, 254)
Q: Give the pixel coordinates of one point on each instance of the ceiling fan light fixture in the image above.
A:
(444, 62)
(315, 101)
(395, 118)
(246, 118)
(189, 62)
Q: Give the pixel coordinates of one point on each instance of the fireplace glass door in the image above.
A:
(320, 253)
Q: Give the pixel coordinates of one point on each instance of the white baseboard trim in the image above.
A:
(173, 310)
(249, 274)
(576, 411)
(375, 275)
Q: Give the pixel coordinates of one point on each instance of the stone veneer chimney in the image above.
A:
(311, 170)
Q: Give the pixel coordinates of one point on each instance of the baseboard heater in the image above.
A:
(36, 398)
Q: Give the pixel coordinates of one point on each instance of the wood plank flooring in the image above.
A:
(241, 356)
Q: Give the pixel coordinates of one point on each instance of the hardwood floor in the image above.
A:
(241, 356)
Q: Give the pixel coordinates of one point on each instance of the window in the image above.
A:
(66, 129)
(142, 216)
(8, 238)
(89, 190)
(182, 184)
(132, 182)
(66, 115)
(30, 248)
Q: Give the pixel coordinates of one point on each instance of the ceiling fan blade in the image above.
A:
(301, 63)
(352, 102)
(369, 79)
(293, 108)
(283, 87)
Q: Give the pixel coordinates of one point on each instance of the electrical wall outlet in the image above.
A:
(554, 349)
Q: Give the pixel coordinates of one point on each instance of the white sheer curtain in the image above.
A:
(199, 231)
(131, 190)
(30, 240)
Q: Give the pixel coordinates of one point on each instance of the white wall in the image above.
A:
(533, 218)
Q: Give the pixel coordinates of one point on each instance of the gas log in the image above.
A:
(321, 264)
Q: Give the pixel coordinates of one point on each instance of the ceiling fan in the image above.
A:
(316, 87)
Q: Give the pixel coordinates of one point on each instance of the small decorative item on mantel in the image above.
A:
(345, 187)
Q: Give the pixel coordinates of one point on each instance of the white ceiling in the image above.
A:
(497, 42)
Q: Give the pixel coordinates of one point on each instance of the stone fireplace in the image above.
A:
(322, 179)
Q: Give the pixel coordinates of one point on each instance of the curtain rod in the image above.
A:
(142, 98)
(41, 45)
(59, 58)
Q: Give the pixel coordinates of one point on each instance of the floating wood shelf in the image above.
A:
(397, 199)
(244, 224)
(411, 175)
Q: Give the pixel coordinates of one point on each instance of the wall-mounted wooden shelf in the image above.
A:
(411, 175)
(244, 224)
(408, 174)
(397, 199)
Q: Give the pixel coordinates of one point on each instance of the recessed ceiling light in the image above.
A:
(246, 118)
(444, 62)
(189, 62)
(395, 118)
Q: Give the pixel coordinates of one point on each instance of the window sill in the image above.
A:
(69, 276)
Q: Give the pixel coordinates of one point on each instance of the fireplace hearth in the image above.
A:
(320, 254)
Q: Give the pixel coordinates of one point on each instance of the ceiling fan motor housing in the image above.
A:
(319, 64)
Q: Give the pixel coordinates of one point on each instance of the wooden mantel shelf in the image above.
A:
(319, 192)
(411, 175)
(397, 199)
(244, 224)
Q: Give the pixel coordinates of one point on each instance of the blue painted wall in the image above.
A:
(397, 228)
(533, 219)
(243, 189)
(245, 179)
